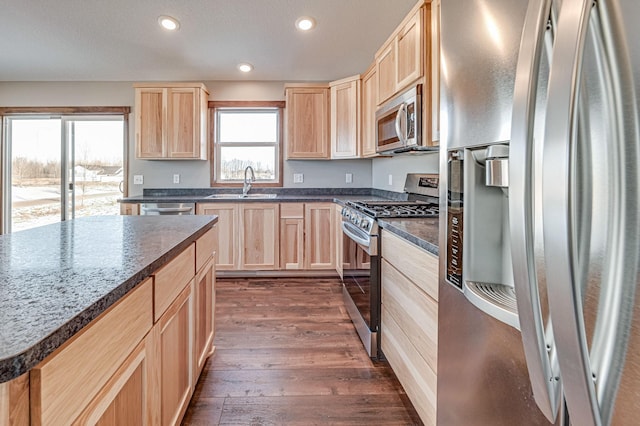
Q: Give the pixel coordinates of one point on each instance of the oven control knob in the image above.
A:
(344, 211)
(365, 225)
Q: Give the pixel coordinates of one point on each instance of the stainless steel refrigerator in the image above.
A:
(539, 308)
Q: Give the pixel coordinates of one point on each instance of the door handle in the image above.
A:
(538, 343)
(591, 378)
(402, 112)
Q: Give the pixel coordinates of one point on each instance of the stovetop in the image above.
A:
(395, 209)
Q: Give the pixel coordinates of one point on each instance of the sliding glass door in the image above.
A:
(59, 168)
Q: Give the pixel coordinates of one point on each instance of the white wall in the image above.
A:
(193, 174)
(398, 167)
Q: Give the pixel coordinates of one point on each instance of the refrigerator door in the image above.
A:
(591, 204)
(527, 249)
(482, 372)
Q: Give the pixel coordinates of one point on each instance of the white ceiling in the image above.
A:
(120, 40)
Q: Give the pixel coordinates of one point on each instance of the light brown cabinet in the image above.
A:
(131, 209)
(226, 233)
(171, 121)
(204, 301)
(345, 117)
(339, 241)
(307, 135)
(319, 224)
(409, 324)
(409, 48)
(400, 61)
(386, 72)
(434, 37)
(292, 236)
(368, 112)
(259, 236)
(175, 349)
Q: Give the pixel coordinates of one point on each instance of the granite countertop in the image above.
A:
(286, 195)
(422, 232)
(57, 278)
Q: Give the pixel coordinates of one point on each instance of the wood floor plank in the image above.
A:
(288, 354)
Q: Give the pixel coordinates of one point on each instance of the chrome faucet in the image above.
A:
(247, 183)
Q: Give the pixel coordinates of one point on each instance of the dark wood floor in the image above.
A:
(287, 353)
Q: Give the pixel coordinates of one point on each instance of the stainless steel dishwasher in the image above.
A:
(158, 209)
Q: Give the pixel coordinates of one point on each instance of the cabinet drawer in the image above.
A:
(291, 211)
(413, 310)
(415, 375)
(171, 279)
(205, 246)
(64, 383)
(418, 265)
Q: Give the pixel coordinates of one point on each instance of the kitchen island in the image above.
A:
(87, 295)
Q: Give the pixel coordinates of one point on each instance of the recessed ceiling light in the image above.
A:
(168, 23)
(245, 67)
(305, 23)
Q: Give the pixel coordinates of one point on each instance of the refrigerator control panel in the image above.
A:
(455, 203)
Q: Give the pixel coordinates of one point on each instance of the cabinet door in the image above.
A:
(129, 209)
(127, 399)
(292, 236)
(205, 297)
(433, 16)
(345, 122)
(225, 233)
(339, 240)
(184, 122)
(151, 116)
(409, 51)
(259, 236)
(319, 223)
(386, 70)
(175, 349)
(307, 122)
(369, 105)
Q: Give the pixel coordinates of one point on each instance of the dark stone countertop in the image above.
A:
(57, 278)
(283, 195)
(422, 232)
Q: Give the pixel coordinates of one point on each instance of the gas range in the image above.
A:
(363, 214)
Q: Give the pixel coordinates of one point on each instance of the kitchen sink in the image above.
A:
(239, 196)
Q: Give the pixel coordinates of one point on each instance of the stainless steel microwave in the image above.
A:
(399, 123)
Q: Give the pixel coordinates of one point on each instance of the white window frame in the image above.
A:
(217, 145)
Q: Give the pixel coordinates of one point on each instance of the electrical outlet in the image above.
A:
(348, 178)
(138, 179)
(390, 179)
(176, 178)
(298, 178)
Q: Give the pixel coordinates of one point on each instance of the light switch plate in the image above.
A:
(138, 179)
(298, 178)
(348, 178)
(390, 179)
(176, 178)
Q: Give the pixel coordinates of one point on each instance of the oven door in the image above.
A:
(361, 280)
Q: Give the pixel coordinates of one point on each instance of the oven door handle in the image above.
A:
(355, 234)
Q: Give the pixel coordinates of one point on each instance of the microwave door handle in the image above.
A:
(400, 131)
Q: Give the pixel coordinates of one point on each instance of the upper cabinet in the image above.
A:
(368, 111)
(171, 121)
(345, 118)
(399, 62)
(307, 135)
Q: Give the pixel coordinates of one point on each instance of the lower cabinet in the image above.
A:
(339, 241)
(259, 237)
(125, 399)
(409, 323)
(275, 236)
(125, 368)
(319, 243)
(205, 300)
(174, 330)
(226, 233)
(292, 236)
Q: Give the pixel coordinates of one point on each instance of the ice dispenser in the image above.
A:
(487, 276)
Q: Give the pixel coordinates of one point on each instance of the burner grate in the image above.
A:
(391, 209)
